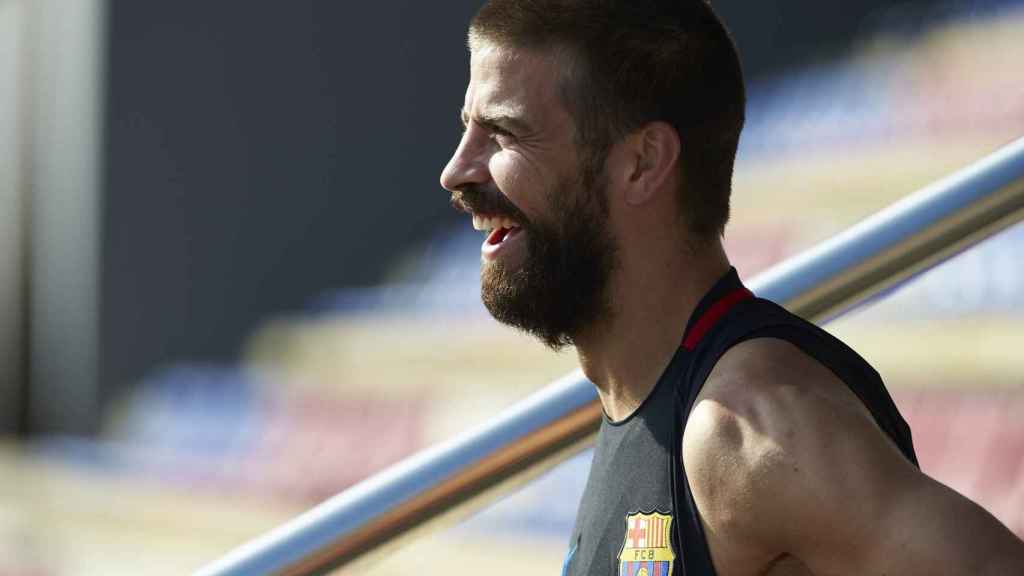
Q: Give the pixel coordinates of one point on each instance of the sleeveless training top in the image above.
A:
(637, 516)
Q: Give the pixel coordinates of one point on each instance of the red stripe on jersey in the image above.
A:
(713, 315)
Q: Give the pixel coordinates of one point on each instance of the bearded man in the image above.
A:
(737, 439)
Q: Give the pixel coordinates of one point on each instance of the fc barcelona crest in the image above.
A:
(647, 550)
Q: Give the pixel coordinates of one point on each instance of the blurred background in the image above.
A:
(230, 285)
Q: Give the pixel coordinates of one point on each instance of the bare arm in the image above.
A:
(785, 461)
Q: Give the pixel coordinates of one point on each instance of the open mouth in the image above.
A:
(498, 228)
(500, 233)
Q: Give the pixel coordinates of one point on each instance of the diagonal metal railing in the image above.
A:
(449, 480)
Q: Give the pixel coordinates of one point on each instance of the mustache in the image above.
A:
(475, 199)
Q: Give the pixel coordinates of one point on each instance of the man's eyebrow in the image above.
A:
(498, 121)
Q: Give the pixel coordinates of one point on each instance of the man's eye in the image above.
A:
(502, 137)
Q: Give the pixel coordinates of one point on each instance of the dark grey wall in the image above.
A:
(262, 152)
(259, 153)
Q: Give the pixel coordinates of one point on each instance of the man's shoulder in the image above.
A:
(760, 373)
(765, 400)
(760, 440)
(754, 388)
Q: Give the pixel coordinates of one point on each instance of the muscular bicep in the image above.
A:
(800, 469)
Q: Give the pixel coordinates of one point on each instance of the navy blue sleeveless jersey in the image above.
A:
(637, 516)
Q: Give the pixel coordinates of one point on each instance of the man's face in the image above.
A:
(547, 253)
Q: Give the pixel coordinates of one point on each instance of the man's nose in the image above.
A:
(467, 166)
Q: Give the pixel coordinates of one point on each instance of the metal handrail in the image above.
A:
(872, 257)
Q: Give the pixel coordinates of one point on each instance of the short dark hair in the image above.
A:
(639, 61)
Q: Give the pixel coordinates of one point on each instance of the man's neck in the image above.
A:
(652, 299)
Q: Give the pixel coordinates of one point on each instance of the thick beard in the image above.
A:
(561, 289)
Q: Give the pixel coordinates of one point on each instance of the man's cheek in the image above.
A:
(514, 181)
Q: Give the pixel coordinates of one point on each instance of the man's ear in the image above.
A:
(654, 155)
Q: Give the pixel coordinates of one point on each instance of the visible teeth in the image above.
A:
(485, 223)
